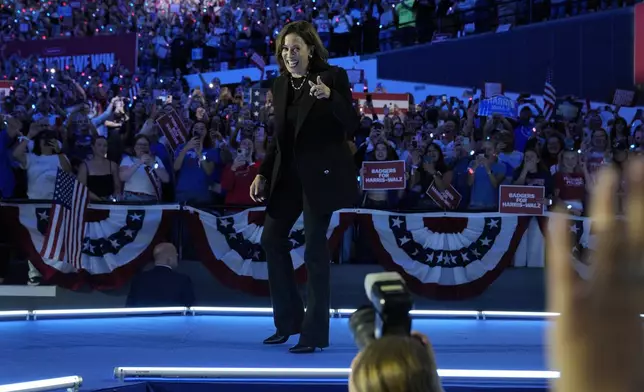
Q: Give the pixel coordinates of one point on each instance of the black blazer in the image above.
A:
(160, 286)
(321, 150)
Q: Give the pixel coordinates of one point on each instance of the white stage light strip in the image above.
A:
(236, 311)
(13, 314)
(229, 310)
(108, 311)
(308, 373)
(504, 314)
(215, 310)
(426, 313)
(52, 384)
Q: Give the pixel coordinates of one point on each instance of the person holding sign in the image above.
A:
(427, 170)
(381, 198)
(308, 168)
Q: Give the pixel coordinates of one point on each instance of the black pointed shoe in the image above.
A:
(276, 339)
(302, 349)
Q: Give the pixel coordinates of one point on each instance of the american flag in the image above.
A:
(67, 223)
(549, 96)
(256, 101)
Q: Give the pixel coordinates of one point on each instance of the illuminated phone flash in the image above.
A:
(569, 207)
(578, 151)
(472, 152)
(431, 135)
(534, 130)
(203, 157)
(156, 166)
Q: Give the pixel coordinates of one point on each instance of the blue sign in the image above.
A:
(499, 105)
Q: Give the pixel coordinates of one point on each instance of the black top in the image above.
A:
(292, 111)
(101, 185)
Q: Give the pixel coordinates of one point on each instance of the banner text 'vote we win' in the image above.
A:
(80, 62)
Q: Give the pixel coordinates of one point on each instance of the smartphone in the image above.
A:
(369, 99)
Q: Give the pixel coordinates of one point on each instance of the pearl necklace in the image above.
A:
(301, 85)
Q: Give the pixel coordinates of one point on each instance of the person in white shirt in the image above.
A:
(42, 166)
(142, 173)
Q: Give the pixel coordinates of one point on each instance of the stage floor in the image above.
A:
(92, 348)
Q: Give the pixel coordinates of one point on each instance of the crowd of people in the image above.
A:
(445, 142)
(205, 35)
(112, 142)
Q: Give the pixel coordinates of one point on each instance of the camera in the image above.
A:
(388, 313)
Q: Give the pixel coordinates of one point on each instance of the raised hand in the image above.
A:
(597, 343)
(319, 90)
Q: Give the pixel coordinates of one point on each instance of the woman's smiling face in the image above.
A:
(295, 54)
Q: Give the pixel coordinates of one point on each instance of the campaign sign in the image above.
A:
(499, 105)
(448, 199)
(521, 199)
(173, 129)
(383, 175)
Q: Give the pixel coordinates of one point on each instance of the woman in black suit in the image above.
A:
(308, 168)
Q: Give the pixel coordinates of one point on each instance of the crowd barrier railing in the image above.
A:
(441, 254)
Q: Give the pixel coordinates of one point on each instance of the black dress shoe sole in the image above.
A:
(274, 341)
(303, 349)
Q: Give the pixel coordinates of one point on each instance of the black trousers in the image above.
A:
(290, 318)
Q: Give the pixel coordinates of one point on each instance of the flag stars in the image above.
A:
(43, 215)
(87, 246)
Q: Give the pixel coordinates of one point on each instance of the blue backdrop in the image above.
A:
(590, 57)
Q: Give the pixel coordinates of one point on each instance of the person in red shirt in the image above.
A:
(571, 182)
(237, 177)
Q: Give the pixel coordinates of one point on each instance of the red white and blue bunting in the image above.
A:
(443, 256)
(230, 246)
(118, 240)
